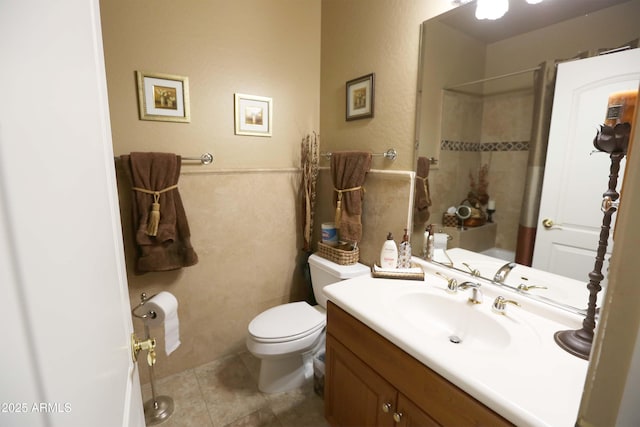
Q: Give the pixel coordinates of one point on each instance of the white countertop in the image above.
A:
(530, 382)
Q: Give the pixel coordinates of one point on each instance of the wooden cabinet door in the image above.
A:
(410, 415)
(354, 394)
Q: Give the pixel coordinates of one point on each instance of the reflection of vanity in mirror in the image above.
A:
(476, 108)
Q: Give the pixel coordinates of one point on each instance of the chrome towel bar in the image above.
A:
(390, 154)
(205, 158)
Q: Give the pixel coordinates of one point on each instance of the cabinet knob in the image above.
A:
(386, 407)
(397, 416)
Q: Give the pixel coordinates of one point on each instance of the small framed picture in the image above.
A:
(360, 97)
(254, 115)
(163, 97)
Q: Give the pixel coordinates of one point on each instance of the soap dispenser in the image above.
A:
(404, 252)
(389, 253)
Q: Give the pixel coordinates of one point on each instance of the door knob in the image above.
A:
(137, 345)
(548, 224)
(386, 407)
(397, 416)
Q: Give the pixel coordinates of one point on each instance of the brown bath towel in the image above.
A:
(164, 242)
(422, 197)
(348, 172)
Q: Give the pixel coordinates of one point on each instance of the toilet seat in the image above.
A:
(287, 322)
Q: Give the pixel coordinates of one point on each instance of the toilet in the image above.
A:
(286, 337)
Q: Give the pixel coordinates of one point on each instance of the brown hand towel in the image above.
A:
(422, 197)
(161, 230)
(348, 172)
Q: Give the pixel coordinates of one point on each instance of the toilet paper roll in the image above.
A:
(440, 240)
(165, 305)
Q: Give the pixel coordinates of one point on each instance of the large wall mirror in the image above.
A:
(477, 90)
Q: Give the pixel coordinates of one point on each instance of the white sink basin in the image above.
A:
(453, 319)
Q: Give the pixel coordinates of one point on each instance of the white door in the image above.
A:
(575, 179)
(64, 311)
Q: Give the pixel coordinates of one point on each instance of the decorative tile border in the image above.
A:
(446, 144)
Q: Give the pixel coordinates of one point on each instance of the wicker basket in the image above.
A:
(449, 220)
(341, 254)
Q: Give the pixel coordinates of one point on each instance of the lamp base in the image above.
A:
(575, 342)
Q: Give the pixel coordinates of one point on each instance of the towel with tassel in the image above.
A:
(422, 196)
(348, 173)
(161, 230)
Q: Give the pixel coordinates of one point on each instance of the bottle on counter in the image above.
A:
(427, 246)
(389, 253)
(404, 252)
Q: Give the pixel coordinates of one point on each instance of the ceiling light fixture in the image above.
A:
(492, 9)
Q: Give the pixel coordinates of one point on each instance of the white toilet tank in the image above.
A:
(325, 272)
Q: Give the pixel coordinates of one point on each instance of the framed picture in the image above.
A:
(163, 97)
(254, 115)
(360, 96)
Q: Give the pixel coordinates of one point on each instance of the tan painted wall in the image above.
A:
(268, 48)
(373, 36)
(243, 209)
(564, 40)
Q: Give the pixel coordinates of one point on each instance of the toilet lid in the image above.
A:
(286, 322)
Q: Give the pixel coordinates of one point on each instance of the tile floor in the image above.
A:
(224, 393)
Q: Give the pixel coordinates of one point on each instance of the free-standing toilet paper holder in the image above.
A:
(158, 408)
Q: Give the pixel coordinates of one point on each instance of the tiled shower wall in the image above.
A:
(478, 130)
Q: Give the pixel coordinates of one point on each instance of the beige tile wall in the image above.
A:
(385, 209)
(244, 229)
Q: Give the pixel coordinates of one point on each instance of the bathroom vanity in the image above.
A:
(407, 352)
(371, 382)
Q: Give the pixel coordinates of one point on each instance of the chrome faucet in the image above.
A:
(500, 304)
(476, 293)
(474, 272)
(523, 287)
(452, 284)
(503, 271)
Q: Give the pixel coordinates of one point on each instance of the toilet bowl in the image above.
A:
(286, 337)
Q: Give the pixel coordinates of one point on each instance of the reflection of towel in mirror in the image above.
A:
(160, 227)
(348, 173)
(422, 197)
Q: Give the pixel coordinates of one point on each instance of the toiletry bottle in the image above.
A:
(404, 252)
(427, 248)
(431, 243)
(389, 253)
(425, 242)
